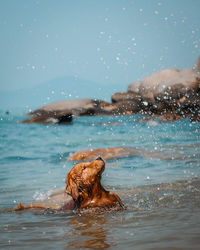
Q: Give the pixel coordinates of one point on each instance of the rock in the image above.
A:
(128, 107)
(125, 96)
(108, 153)
(170, 116)
(62, 111)
(197, 65)
(50, 117)
(109, 123)
(168, 90)
(127, 102)
(195, 117)
(115, 153)
(75, 107)
(168, 84)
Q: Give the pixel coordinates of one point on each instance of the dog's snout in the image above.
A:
(99, 159)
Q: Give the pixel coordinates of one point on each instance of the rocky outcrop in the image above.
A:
(170, 93)
(63, 111)
(170, 90)
(167, 84)
(75, 107)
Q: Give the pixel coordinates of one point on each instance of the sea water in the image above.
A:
(160, 187)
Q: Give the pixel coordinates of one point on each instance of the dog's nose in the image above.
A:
(99, 159)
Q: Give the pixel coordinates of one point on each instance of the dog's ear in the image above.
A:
(72, 188)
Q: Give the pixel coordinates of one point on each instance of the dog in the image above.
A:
(83, 184)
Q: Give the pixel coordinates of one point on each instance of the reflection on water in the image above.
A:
(89, 233)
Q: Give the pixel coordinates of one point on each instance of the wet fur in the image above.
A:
(84, 185)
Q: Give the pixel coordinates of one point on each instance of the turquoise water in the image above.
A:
(160, 187)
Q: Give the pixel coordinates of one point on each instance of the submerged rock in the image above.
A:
(115, 153)
(105, 153)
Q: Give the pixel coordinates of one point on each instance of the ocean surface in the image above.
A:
(161, 192)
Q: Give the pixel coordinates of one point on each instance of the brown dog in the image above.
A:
(84, 185)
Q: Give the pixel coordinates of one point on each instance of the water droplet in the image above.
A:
(145, 103)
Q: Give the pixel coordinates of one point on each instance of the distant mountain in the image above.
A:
(64, 88)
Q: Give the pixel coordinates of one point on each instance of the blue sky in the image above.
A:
(105, 41)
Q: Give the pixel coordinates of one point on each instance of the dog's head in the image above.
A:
(82, 177)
